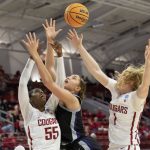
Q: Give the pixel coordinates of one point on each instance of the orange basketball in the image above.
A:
(76, 15)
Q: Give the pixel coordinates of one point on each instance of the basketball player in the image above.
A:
(69, 109)
(41, 126)
(128, 92)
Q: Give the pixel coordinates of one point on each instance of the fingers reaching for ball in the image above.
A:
(50, 30)
(31, 43)
(74, 39)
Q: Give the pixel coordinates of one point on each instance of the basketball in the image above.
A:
(76, 15)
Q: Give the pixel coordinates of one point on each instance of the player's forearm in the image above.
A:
(92, 66)
(60, 71)
(25, 76)
(144, 87)
(60, 77)
(23, 95)
(45, 75)
(146, 75)
(88, 60)
(23, 98)
(50, 62)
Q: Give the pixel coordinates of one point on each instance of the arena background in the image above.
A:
(115, 35)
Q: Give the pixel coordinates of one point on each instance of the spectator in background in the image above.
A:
(93, 135)
(9, 142)
(1, 103)
(3, 84)
(100, 115)
(15, 113)
(8, 128)
(17, 75)
(21, 123)
(12, 97)
(5, 105)
(0, 142)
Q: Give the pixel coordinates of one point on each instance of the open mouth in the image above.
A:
(66, 81)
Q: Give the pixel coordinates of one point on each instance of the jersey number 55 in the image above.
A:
(51, 133)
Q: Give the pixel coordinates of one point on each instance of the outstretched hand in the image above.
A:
(147, 52)
(31, 44)
(75, 40)
(50, 30)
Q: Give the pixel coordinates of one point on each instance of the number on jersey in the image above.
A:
(51, 133)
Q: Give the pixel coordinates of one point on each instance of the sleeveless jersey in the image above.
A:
(43, 131)
(124, 116)
(70, 123)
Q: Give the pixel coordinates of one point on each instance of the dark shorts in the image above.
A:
(85, 143)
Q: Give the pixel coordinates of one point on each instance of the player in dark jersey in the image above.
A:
(69, 109)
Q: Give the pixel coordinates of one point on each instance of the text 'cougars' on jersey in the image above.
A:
(119, 108)
(43, 122)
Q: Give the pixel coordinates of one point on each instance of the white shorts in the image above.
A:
(123, 147)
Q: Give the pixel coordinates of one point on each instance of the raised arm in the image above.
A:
(65, 96)
(51, 34)
(60, 68)
(60, 76)
(23, 95)
(143, 89)
(88, 60)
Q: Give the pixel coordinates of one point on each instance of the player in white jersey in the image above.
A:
(129, 94)
(41, 126)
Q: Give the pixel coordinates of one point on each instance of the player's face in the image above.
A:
(41, 96)
(72, 83)
(38, 99)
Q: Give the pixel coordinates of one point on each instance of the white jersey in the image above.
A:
(125, 111)
(42, 128)
(43, 131)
